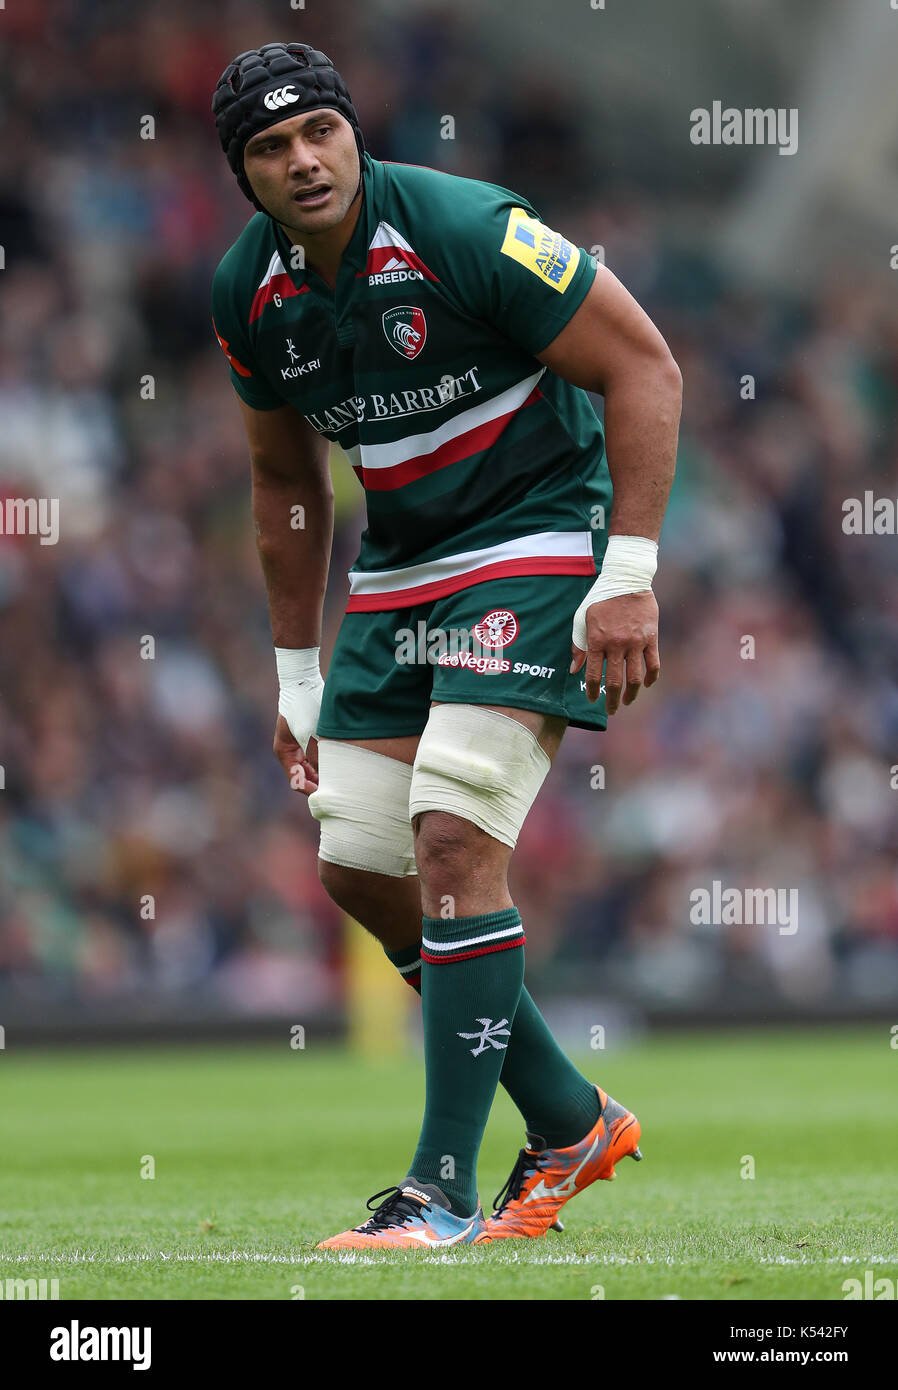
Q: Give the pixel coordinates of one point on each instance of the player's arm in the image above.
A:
(611, 346)
(293, 512)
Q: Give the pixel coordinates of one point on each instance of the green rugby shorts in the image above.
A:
(387, 667)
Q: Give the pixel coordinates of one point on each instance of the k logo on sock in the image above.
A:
(490, 1032)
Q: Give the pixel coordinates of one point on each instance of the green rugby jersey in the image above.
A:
(476, 460)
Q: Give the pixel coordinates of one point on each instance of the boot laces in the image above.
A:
(525, 1163)
(395, 1210)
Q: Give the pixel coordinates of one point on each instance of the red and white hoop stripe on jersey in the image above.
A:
(547, 552)
(382, 467)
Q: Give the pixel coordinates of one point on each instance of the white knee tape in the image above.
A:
(480, 765)
(362, 806)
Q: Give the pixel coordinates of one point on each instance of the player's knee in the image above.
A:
(444, 841)
(482, 767)
(452, 854)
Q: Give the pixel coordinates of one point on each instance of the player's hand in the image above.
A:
(301, 768)
(300, 690)
(623, 635)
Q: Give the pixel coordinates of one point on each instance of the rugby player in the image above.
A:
(438, 331)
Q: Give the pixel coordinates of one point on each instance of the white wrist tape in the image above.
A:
(628, 568)
(301, 685)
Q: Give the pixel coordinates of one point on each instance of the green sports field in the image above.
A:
(259, 1152)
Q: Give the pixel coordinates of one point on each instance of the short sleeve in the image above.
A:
(520, 275)
(246, 377)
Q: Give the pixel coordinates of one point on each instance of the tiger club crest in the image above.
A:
(406, 329)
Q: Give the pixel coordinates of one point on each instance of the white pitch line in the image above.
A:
(420, 1257)
(251, 1257)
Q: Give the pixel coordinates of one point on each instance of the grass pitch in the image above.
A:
(259, 1152)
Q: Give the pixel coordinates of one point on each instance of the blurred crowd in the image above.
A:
(150, 848)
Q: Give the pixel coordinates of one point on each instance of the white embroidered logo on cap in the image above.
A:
(281, 96)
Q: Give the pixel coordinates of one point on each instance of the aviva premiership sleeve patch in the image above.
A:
(542, 251)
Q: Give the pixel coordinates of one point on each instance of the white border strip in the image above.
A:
(471, 940)
(560, 544)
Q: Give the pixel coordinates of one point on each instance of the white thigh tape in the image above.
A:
(480, 765)
(362, 806)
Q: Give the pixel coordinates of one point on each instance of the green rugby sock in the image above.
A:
(408, 963)
(555, 1099)
(471, 975)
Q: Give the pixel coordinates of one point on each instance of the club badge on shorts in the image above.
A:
(497, 628)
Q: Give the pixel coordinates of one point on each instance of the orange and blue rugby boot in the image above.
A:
(414, 1216)
(544, 1179)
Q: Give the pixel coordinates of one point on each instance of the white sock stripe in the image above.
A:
(471, 940)
(407, 969)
